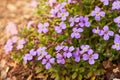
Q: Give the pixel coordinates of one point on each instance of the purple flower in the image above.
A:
(14, 39)
(34, 3)
(76, 33)
(90, 56)
(63, 15)
(57, 10)
(47, 61)
(83, 21)
(72, 1)
(33, 52)
(41, 52)
(116, 5)
(72, 20)
(59, 47)
(119, 31)
(84, 48)
(60, 59)
(68, 51)
(27, 57)
(106, 33)
(77, 55)
(51, 2)
(116, 42)
(43, 27)
(97, 13)
(105, 2)
(96, 30)
(59, 28)
(8, 46)
(29, 24)
(117, 20)
(53, 13)
(20, 44)
(116, 45)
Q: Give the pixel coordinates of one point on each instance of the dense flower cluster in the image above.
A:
(14, 40)
(71, 26)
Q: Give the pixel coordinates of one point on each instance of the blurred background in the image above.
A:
(14, 14)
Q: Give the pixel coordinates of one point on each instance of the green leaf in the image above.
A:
(80, 77)
(74, 75)
(82, 69)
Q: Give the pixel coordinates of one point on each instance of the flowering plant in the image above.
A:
(71, 40)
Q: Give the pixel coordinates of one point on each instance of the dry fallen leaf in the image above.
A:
(107, 64)
(116, 70)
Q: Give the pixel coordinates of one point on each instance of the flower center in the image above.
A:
(42, 27)
(84, 49)
(63, 14)
(41, 50)
(117, 44)
(90, 56)
(96, 31)
(106, 32)
(97, 13)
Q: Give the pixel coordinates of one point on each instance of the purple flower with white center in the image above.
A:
(84, 21)
(8, 46)
(106, 33)
(47, 61)
(61, 27)
(84, 48)
(116, 42)
(72, 20)
(90, 56)
(68, 51)
(77, 55)
(60, 59)
(116, 45)
(96, 30)
(43, 27)
(105, 2)
(97, 13)
(117, 20)
(116, 5)
(20, 44)
(76, 33)
(41, 52)
(63, 15)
